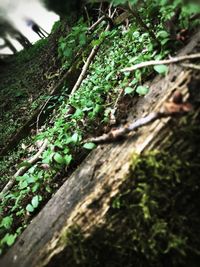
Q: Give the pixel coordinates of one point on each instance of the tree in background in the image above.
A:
(8, 30)
(63, 8)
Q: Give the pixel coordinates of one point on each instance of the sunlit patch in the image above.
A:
(18, 11)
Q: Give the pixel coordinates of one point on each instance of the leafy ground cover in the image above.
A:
(85, 113)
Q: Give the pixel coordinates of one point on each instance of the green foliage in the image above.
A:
(27, 54)
(34, 203)
(142, 90)
(162, 69)
(80, 116)
(56, 26)
(89, 146)
(69, 45)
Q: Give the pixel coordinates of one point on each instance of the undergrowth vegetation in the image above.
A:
(80, 115)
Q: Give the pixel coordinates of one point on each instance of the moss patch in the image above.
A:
(154, 220)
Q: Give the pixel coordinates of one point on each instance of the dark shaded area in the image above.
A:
(154, 221)
(64, 8)
(24, 78)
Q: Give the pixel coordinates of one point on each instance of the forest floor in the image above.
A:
(26, 80)
(33, 117)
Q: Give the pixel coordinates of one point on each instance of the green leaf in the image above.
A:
(35, 201)
(110, 74)
(163, 34)
(128, 90)
(9, 239)
(68, 159)
(30, 180)
(75, 138)
(6, 222)
(23, 184)
(59, 158)
(161, 69)
(68, 52)
(142, 90)
(89, 146)
(82, 39)
(35, 187)
(29, 208)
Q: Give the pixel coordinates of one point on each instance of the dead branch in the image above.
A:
(104, 17)
(88, 62)
(190, 66)
(85, 69)
(23, 169)
(161, 62)
(42, 109)
(170, 109)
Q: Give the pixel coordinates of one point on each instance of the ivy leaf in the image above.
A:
(35, 201)
(128, 90)
(29, 208)
(9, 239)
(59, 158)
(142, 90)
(23, 184)
(75, 138)
(163, 34)
(6, 222)
(161, 69)
(68, 159)
(89, 146)
(82, 39)
(67, 52)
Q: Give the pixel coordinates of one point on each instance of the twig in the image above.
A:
(160, 62)
(176, 107)
(191, 66)
(87, 64)
(87, 15)
(100, 9)
(23, 169)
(42, 109)
(94, 25)
(84, 69)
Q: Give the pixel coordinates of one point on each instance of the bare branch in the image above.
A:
(23, 169)
(170, 109)
(104, 17)
(87, 64)
(190, 66)
(160, 62)
(42, 109)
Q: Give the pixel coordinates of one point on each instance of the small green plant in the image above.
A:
(69, 45)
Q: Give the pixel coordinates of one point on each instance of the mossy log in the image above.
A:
(94, 219)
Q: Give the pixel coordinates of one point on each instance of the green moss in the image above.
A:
(28, 54)
(154, 220)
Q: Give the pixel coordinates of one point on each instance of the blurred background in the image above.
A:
(15, 22)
